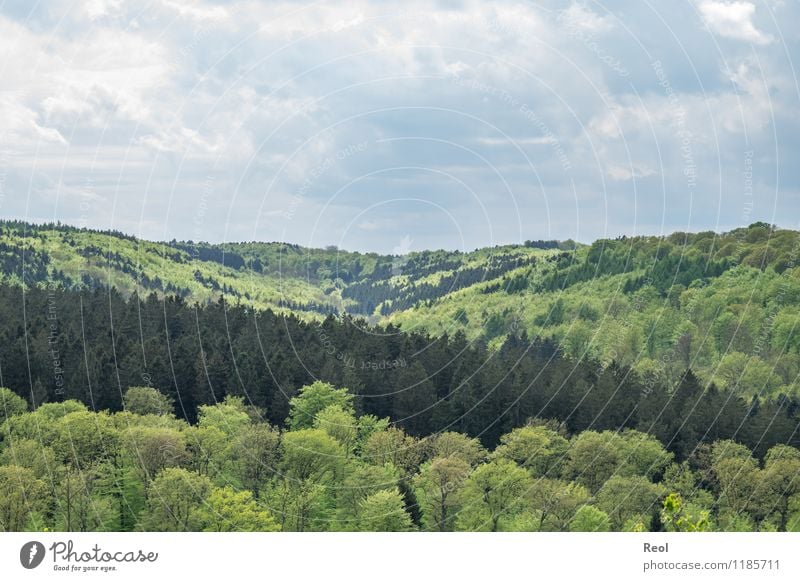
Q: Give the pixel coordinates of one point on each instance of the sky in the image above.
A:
(399, 126)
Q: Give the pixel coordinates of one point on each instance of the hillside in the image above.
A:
(725, 305)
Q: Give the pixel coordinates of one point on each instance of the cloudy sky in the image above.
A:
(388, 126)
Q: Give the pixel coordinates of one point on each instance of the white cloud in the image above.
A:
(733, 20)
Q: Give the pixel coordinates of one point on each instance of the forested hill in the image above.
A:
(93, 345)
(725, 305)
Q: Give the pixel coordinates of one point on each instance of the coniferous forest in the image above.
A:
(438, 391)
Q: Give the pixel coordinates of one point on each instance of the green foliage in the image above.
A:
(313, 399)
(493, 491)
(226, 510)
(22, 496)
(175, 497)
(590, 519)
(384, 511)
(147, 400)
(11, 404)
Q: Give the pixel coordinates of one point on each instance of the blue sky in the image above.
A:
(395, 126)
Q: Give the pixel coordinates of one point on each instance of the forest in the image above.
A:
(634, 384)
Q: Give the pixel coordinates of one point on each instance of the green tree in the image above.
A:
(312, 461)
(493, 491)
(384, 511)
(226, 510)
(453, 444)
(22, 496)
(780, 482)
(625, 497)
(437, 488)
(340, 424)
(360, 481)
(175, 496)
(594, 457)
(11, 404)
(147, 400)
(539, 449)
(679, 516)
(314, 398)
(256, 450)
(590, 519)
(556, 502)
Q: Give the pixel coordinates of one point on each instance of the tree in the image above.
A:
(256, 453)
(22, 495)
(31, 454)
(360, 481)
(454, 444)
(340, 424)
(590, 519)
(155, 449)
(396, 447)
(493, 491)
(384, 511)
(229, 416)
(226, 510)
(175, 495)
(86, 438)
(625, 497)
(147, 400)
(737, 475)
(539, 449)
(311, 461)
(556, 502)
(643, 455)
(593, 458)
(680, 516)
(314, 398)
(11, 404)
(437, 487)
(79, 507)
(780, 482)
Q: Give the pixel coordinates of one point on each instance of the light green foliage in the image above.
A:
(590, 519)
(225, 510)
(147, 400)
(229, 416)
(86, 438)
(384, 511)
(593, 458)
(557, 502)
(79, 506)
(39, 459)
(738, 477)
(340, 424)
(151, 450)
(256, 454)
(537, 448)
(437, 488)
(11, 404)
(360, 481)
(175, 496)
(643, 455)
(680, 516)
(22, 495)
(314, 398)
(393, 446)
(494, 491)
(455, 445)
(624, 497)
(312, 463)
